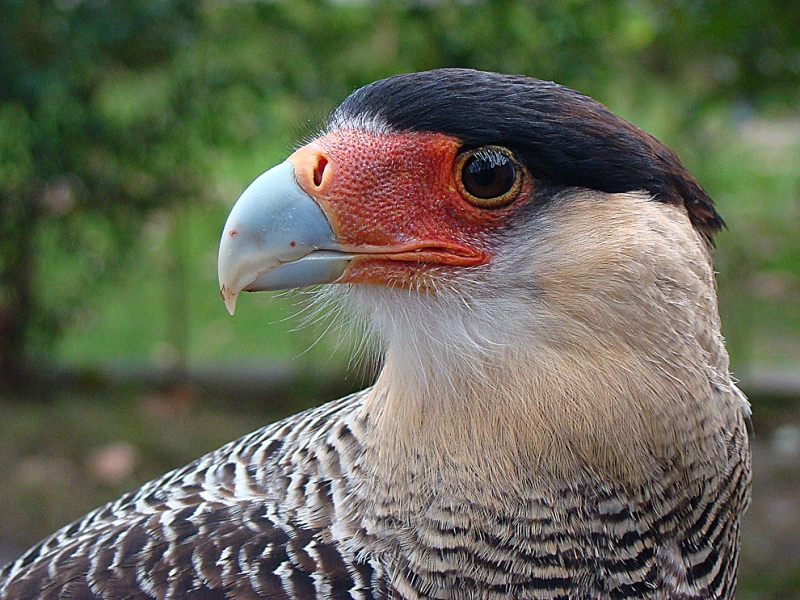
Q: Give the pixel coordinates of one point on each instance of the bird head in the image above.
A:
(481, 189)
(480, 220)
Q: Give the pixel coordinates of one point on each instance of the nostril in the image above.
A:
(319, 171)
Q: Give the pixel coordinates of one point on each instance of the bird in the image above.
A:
(555, 415)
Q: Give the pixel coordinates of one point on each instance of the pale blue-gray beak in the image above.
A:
(277, 237)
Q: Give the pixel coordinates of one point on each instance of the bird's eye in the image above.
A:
(488, 177)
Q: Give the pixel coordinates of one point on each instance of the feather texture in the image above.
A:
(291, 511)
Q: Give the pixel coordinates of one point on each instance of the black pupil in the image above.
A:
(488, 174)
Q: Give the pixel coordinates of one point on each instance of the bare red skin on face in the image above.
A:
(392, 199)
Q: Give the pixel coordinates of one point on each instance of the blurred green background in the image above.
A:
(127, 131)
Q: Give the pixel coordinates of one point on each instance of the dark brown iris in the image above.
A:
(488, 176)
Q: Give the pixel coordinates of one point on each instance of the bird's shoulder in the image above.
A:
(250, 519)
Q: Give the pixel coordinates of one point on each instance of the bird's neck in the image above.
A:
(548, 419)
(621, 384)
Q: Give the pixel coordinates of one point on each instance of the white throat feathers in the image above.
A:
(592, 344)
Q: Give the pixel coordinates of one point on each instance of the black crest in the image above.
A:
(564, 137)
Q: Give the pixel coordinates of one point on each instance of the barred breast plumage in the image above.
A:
(288, 512)
(555, 416)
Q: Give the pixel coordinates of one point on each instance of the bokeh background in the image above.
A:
(127, 130)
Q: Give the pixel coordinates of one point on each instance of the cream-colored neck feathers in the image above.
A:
(590, 344)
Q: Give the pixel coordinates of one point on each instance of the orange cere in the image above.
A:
(392, 200)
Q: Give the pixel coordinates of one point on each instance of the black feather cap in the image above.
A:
(564, 137)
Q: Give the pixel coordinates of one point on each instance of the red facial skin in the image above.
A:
(392, 199)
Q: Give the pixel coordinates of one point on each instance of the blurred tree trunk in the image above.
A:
(16, 282)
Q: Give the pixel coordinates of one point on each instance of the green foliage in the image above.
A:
(16, 162)
(73, 161)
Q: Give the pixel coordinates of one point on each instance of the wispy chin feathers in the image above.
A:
(439, 332)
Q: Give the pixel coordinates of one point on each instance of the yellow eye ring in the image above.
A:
(488, 177)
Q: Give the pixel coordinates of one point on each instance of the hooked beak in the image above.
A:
(277, 237)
